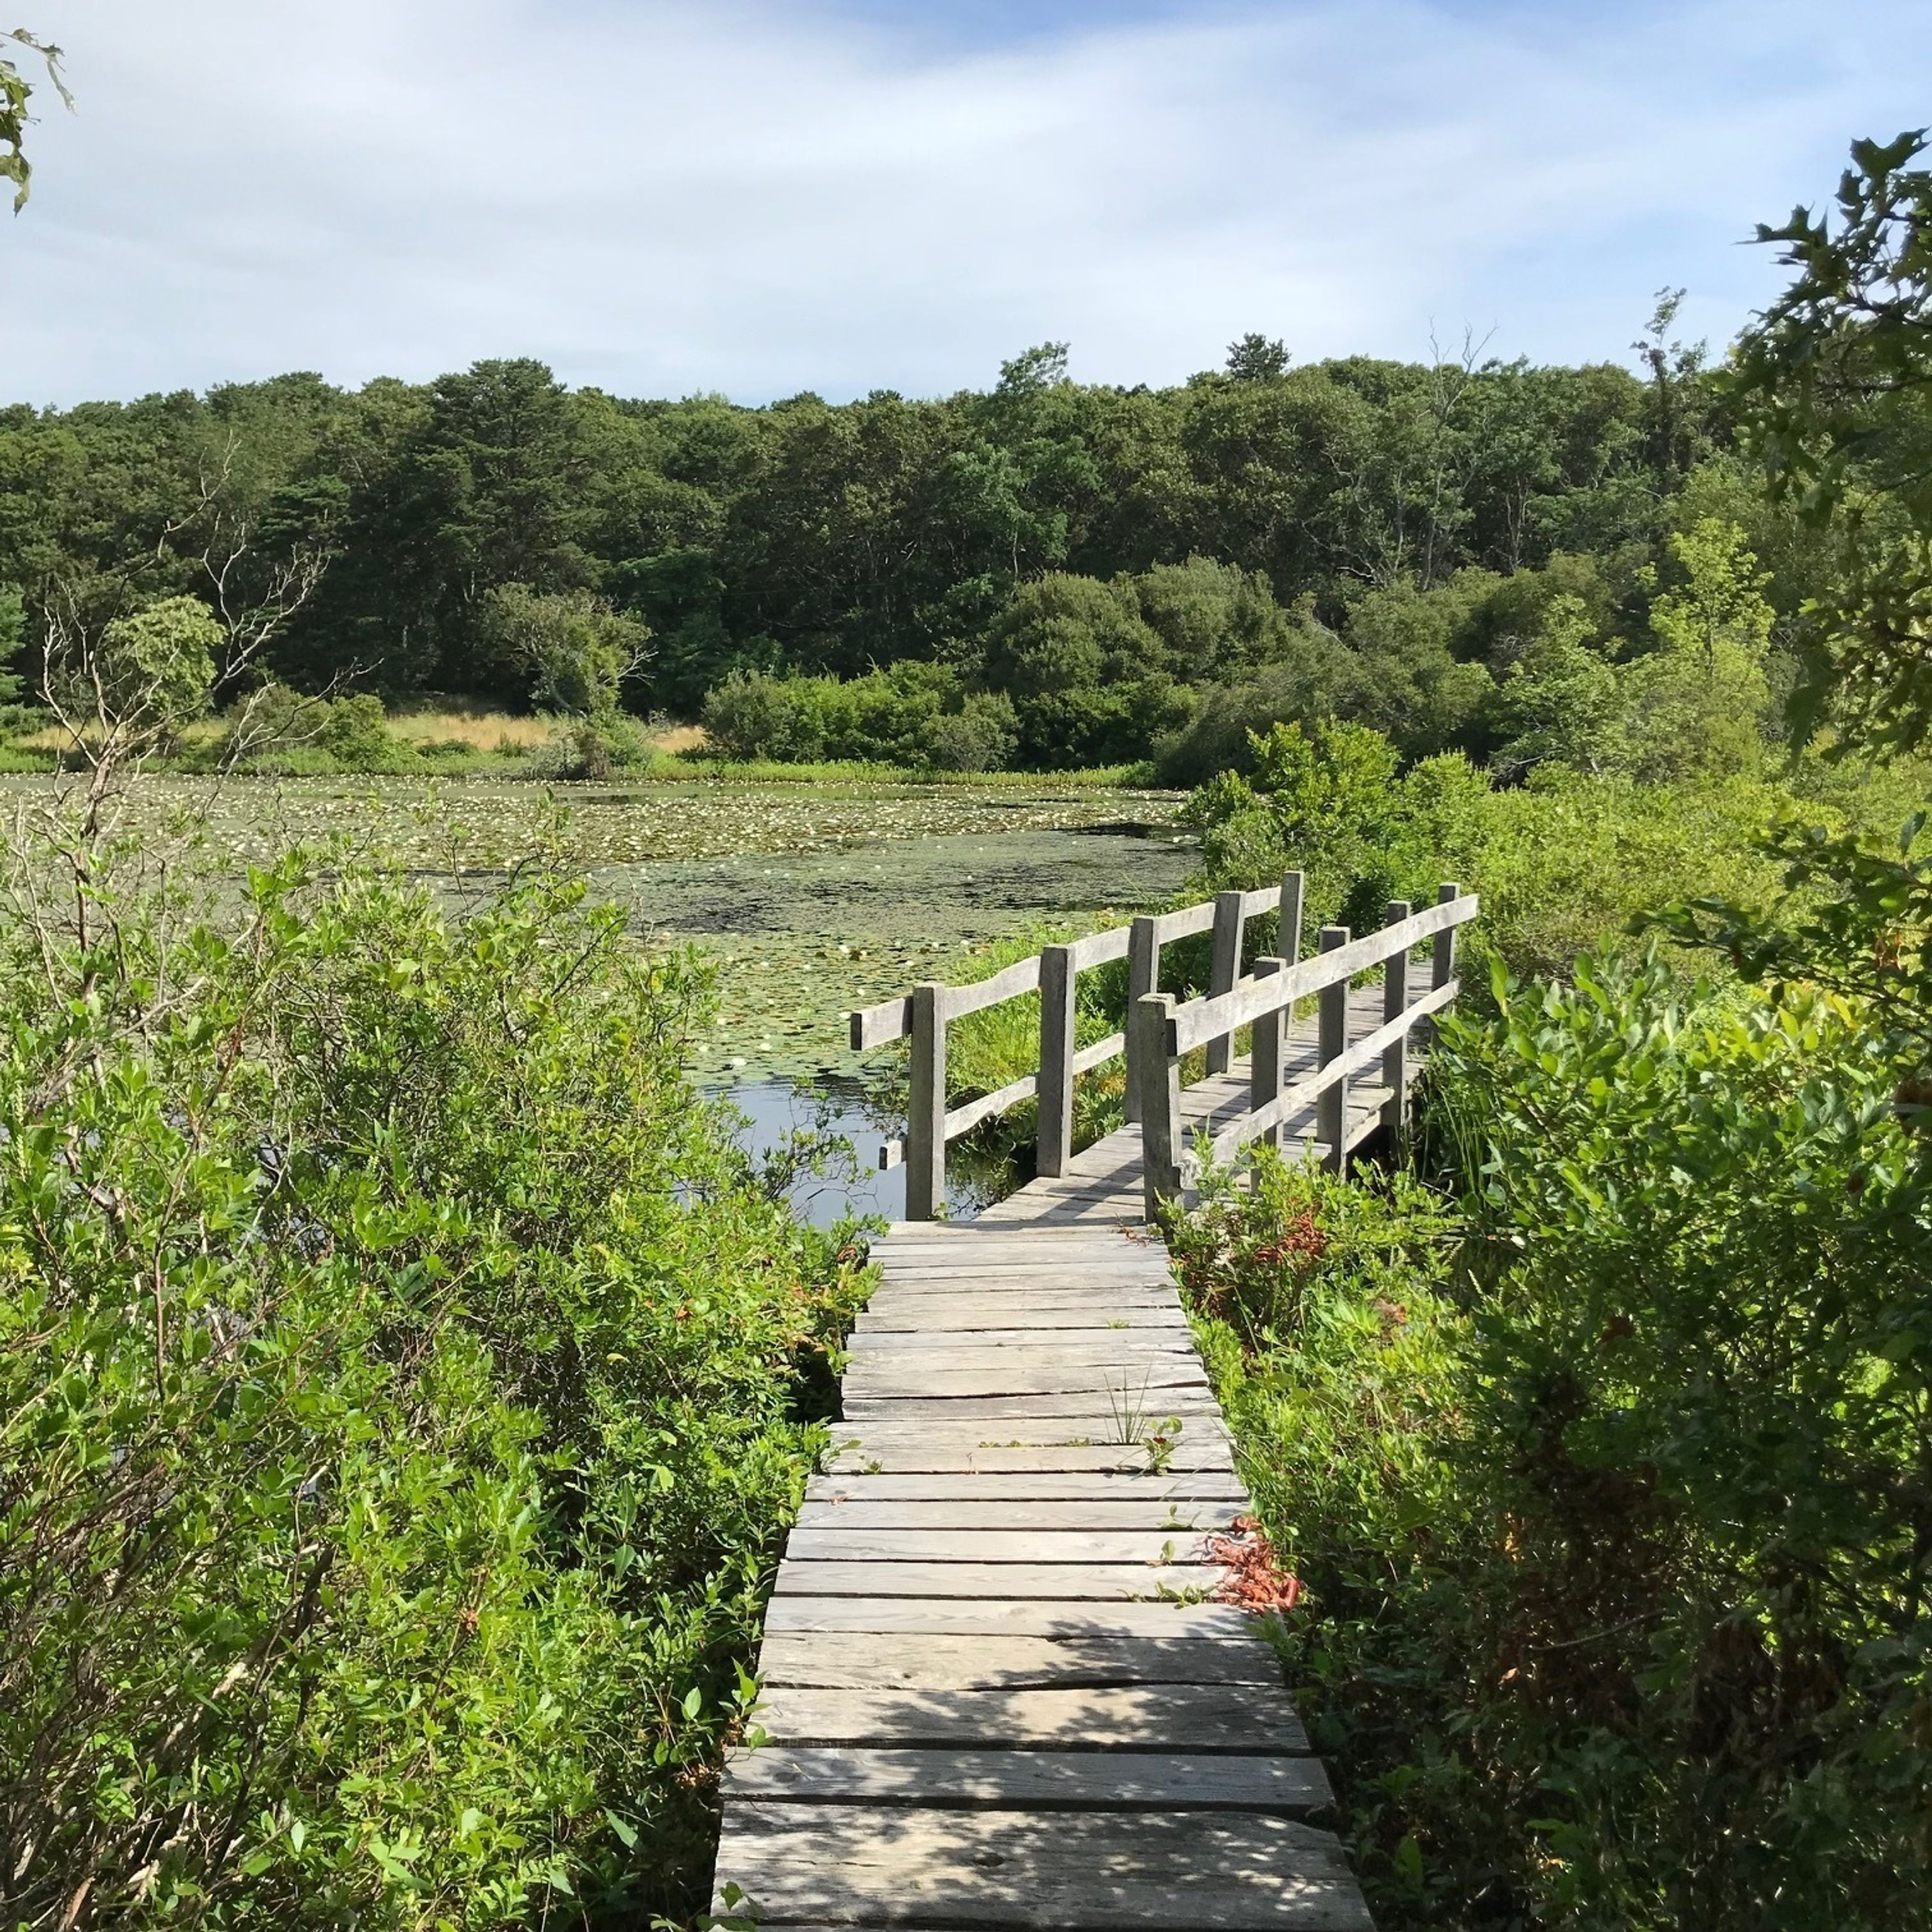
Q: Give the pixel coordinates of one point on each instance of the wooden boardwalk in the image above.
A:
(1002, 1684)
(998, 1690)
(1102, 1185)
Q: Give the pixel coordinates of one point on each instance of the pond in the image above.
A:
(810, 898)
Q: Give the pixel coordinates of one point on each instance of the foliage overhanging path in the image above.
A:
(1012, 1672)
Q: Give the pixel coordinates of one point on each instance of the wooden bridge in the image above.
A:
(1003, 1684)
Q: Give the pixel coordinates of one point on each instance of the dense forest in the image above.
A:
(1044, 574)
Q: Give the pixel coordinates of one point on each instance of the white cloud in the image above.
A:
(758, 197)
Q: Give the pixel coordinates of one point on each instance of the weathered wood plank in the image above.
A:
(942, 1232)
(1029, 1487)
(1116, 1582)
(1007, 1615)
(1065, 1424)
(969, 1315)
(929, 1378)
(1008, 1279)
(803, 1867)
(1098, 1422)
(1082, 1347)
(979, 1243)
(1030, 1780)
(1082, 1419)
(984, 1458)
(829, 1661)
(1169, 1336)
(852, 1542)
(1255, 1720)
(1008, 1513)
(978, 1300)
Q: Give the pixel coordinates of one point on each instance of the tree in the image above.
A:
(156, 665)
(1412, 685)
(1674, 369)
(1087, 676)
(15, 91)
(1695, 706)
(13, 637)
(575, 649)
(1257, 359)
(1325, 801)
(1834, 383)
(1557, 703)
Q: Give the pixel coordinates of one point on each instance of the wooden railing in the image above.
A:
(1164, 1030)
(925, 1013)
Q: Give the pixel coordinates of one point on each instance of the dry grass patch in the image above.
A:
(485, 730)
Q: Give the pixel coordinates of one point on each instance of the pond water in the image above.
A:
(810, 898)
(775, 1110)
(799, 938)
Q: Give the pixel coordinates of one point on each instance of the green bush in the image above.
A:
(575, 650)
(1564, 862)
(917, 716)
(355, 732)
(1086, 673)
(15, 717)
(1612, 1491)
(404, 1385)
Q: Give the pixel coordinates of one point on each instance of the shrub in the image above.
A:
(355, 732)
(1564, 861)
(917, 716)
(152, 669)
(276, 728)
(1610, 1493)
(574, 649)
(980, 736)
(15, 717)
(1087, 674)
(402, 1392)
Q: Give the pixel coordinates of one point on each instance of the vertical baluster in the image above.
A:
(1226, 970)
(1143, 978)
(1444, 965)
(1294, 897)
(1331, 1108)
(926, 1128)
(1264, 1053)
(1160, 1099)
(1053, 1146)
(1395, 999)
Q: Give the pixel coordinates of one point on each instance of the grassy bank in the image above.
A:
(356, 737)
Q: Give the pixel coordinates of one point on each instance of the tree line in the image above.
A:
(1045, 572)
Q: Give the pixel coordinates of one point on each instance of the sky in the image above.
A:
(757, 197)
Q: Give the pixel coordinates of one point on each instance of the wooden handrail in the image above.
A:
(1261, 999)
(925, 1014)
(1251, 1127)
(1200, 1021)
(1165, 1030)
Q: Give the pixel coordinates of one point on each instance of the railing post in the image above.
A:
(1294, 897)
(1395, 999)
(925, 1125)
(1053, 1145)
(1226, 970)
(1331, 1106)
(1160, 1098)
(1264, 1053)
(1143, 978)
(1444, 965)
